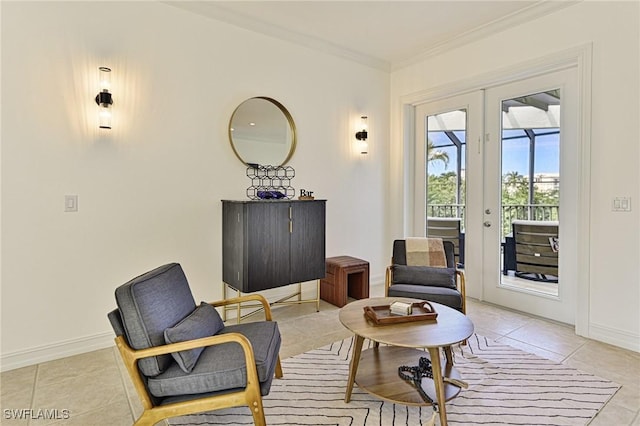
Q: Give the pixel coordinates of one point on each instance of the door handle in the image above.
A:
(487, 224)
(488, 211)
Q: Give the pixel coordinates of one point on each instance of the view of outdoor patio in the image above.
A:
(530, 189)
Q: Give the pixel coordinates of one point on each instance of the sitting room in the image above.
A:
(122, 150)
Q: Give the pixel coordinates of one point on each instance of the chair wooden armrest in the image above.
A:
(246, 298)
(131, 356)
(461, 281)
(387, 280)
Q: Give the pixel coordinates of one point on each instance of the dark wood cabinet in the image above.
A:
(268, 244)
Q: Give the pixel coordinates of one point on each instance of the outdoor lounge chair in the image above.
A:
(448, 228)
(536, 249)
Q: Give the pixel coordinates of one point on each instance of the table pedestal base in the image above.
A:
(377, 373)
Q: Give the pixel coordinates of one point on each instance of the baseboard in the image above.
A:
(615, 337)
(24, 358)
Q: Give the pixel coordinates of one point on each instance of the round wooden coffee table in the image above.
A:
(375, 370)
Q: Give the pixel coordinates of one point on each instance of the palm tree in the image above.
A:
(515, 188)
(511, 178)
(441, 188)
(434, 154)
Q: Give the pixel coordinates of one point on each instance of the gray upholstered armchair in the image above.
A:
(181, 357)
(437, 284)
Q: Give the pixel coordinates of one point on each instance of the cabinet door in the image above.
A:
(233, 270)
(307, 241)
(267, 244)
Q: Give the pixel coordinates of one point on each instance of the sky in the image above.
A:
(515, 154)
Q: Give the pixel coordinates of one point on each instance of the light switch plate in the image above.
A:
(621, 204)
(70, 203)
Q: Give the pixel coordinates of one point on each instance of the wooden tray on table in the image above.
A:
(381, 315)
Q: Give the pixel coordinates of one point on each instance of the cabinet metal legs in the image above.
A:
(255, 308)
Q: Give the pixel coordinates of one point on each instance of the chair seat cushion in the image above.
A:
(222, 367)
(424, 275)
(443, 295)
(204, 321)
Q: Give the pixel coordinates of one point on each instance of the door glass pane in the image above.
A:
(445, 164)
(530, 193)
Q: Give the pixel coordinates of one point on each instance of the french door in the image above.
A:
(448, 166)
(466, 139)
(530, 195)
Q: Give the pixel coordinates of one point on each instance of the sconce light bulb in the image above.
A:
(364, 147)
(104, 118)
(363, 122)
(105, 79)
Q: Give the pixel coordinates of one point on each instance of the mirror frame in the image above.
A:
(287, 115)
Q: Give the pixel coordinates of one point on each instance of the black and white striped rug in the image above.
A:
(506, 387)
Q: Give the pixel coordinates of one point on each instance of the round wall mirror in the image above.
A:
(261, 131)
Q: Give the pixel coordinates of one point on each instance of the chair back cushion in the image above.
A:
(116, 322)
(424, 275)
(148, 305)
(204, 321)
(400, 253)
(443, 295)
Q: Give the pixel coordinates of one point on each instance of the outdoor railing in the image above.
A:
(529, 212)
(510, 212)
(446, 210)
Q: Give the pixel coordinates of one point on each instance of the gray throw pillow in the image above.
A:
(204, 321)
(424, 275)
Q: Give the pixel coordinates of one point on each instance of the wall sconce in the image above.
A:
(362, 135)
(104, 99)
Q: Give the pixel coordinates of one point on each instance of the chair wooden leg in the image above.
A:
(148, 418)
(258, 416)
(278, 369)
(254, 401)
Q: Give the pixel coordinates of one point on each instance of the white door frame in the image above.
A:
(578, 57)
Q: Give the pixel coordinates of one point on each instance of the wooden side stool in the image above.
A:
(346, 276)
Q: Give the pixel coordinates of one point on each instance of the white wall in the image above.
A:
(149, 191)
(613, 30)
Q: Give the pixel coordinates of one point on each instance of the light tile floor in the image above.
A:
(96, 390)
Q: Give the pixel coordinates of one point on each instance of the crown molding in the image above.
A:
(212, 10)
(530, 13)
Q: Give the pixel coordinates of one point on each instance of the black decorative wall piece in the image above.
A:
(270, 182)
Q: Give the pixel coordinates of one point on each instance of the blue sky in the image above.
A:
(515, 153)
